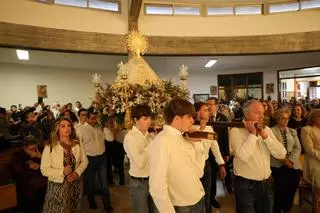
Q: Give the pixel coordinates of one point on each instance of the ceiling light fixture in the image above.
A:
(23, 55)
(311, 68)
(210, 63)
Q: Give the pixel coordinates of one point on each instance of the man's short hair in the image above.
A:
(178, 107)
(139, 111)
(82, 110)
(3, 110)
(91, 112)
(247, 106)
(198, 105)
(214, 99)
(30, 140)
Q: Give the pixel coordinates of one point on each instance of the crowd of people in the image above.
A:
(70, 151)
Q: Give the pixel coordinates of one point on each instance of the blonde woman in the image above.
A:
(285, 173)
(310, 136)
(63, 161)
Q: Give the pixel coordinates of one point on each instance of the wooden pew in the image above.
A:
(8, 191)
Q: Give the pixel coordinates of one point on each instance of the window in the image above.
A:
(104, 5)
(287, 7)
(240, 86)
(220, 11)
(44, 1)
(248, 10)
(310, 4)
(183, 10)
(159, 9)
(76, 3)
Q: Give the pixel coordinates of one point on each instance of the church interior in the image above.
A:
(234, 50)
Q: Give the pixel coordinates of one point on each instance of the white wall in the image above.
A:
(240, 25)
(18, 83)
(64, 17)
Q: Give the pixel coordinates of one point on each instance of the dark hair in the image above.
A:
(140, 110)
(178, 107)
(302, 109)
(82, 110)
(13, 106)
(91, 112)
(213, 99)
(198, 105)
(3, 110)
(30, 140)
(66, 111)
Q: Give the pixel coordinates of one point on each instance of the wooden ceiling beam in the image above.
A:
(134, 13)
(34, 37)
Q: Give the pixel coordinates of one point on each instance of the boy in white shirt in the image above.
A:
(135, 144)
(174, 163)
(203, 116)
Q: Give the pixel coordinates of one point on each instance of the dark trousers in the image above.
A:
(206, 183)
(286, 182)
(110, 158)
(97, 168)
(4, 143)
(118, 160)
(214, 170)
(228, 179)
(196, 208)
(253, 196)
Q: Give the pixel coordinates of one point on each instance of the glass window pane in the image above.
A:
(77, 3)
(278, 8)
(240, 94)
(100, 4)
(220, 11)
(255, 93)
(239, 80)
(247, 10)
(44, 1)
(310, 4)
(255, 79)
(195, 11)
(159, 10)
(224, 80)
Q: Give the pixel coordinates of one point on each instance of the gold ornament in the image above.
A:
(128, 122)
(137, 43)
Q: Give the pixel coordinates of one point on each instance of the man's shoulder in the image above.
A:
(163, 137)
(236, 130)
(130, 134)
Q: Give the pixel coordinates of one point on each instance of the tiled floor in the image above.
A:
(121, 202)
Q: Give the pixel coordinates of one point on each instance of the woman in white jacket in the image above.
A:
(63, 161)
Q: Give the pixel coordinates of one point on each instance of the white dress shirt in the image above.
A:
(136, 144)
(92, 139)
(252, 153)
(77, 126)
(108, 134)
(174, 171)
(52, 162)
(211, 145)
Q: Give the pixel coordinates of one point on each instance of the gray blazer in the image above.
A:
(293, 147)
